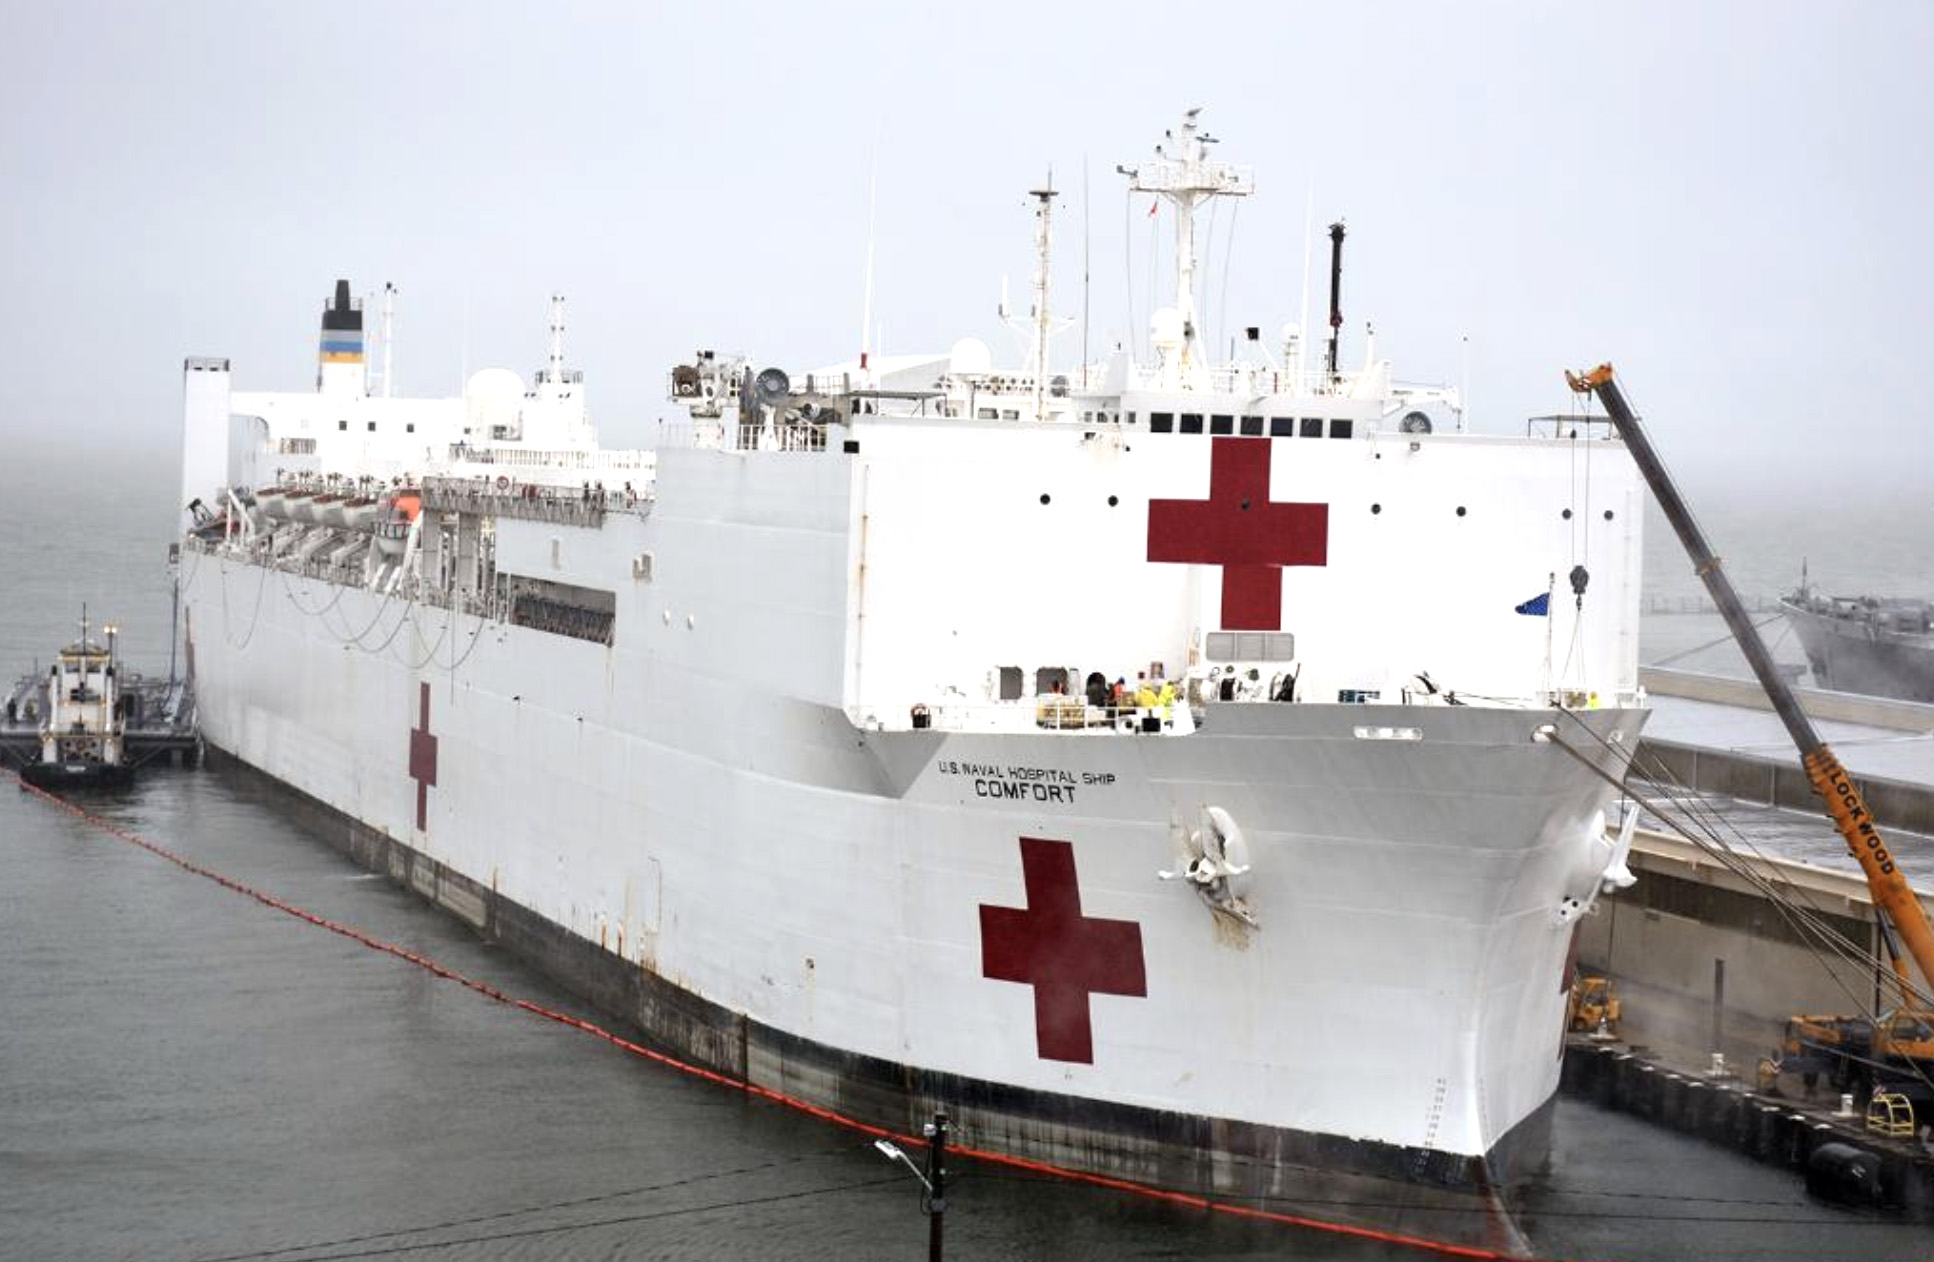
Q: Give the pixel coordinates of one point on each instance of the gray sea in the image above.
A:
(187, 1074)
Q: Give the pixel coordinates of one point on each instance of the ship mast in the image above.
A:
(389, 344)
(1183, 173)
(1043, 212)
(556, 373)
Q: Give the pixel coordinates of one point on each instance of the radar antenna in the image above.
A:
(1183, 173)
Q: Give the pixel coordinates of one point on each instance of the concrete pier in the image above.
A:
(1775, 1129)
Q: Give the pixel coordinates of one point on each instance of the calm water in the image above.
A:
(185, 1074)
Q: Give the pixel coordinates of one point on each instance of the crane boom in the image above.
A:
(1830, 780)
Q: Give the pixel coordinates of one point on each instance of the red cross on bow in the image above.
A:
(423, 759)
(1064, 955)
(1241, 529)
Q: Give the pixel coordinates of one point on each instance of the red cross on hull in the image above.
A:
(1064, 955)
(1241, 529)
(423, 759)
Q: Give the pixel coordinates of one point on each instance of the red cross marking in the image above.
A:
(1064, 955)
(1245, 532)
(423, 759)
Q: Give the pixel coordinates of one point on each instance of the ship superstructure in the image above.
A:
(1144, 761)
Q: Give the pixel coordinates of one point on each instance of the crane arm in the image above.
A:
(1830, 780)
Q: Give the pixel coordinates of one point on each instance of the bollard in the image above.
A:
(1846, 1105)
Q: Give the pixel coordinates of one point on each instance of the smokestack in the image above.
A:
(339, 356)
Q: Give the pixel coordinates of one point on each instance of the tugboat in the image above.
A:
(82, 725)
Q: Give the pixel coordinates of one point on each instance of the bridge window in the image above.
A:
(1282, 427)
(372, 427)
(1010, 683)
(1191, 422)
(1047, 677)
(1160, 422)
(1222, 424)
(1342, 428)
(1312, 427)
(1252, 646)
(1252, 426)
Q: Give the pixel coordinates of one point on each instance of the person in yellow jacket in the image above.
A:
(1144, 693)
(1165, 699)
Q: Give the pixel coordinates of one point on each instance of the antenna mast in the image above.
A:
(1043, 213)
(1183, 173)
(1084, 272)
(866, 315)
(389, 328)
(555, 374)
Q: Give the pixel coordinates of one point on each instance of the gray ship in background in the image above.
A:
(1882, 646)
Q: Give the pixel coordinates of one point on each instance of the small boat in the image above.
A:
(81, 719)
(1883, 646)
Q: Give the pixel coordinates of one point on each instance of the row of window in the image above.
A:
(409, 427)
(1250, 426)
(1198, 423)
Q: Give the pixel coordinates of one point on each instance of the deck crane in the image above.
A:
(1849, 1049)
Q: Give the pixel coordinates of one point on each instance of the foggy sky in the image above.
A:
(1732, 202)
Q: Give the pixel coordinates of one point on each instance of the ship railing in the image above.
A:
(781, 436)
(592, 458)
(1658, 605)
(1071, 714)
(503, 496)
(1569, 427)
(1047, 713)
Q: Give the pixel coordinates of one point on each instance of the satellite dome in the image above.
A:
(493, 396)
(970, 357)
(493, 384)
(1165, 328)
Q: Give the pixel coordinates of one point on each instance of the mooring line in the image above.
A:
(1186, 1200)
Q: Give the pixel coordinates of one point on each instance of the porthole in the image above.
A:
(1376, 508)
(1045, 497)
(1608, 514)
(1113, 500)
(1460, 510)
(1566, 514)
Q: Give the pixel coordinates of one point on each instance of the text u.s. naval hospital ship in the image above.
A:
(798, 740)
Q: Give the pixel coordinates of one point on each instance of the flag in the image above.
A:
(1538, 606)
(1152, 208)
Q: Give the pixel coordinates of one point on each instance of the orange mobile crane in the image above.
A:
(1856, 1053)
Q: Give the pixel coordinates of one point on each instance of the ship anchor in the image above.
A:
(1214, 859)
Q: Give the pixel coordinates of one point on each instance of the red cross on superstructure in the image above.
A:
(423, 759)
(1241, 529)
(1064, 955)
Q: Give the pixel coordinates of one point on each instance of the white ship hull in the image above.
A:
(824, 886)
